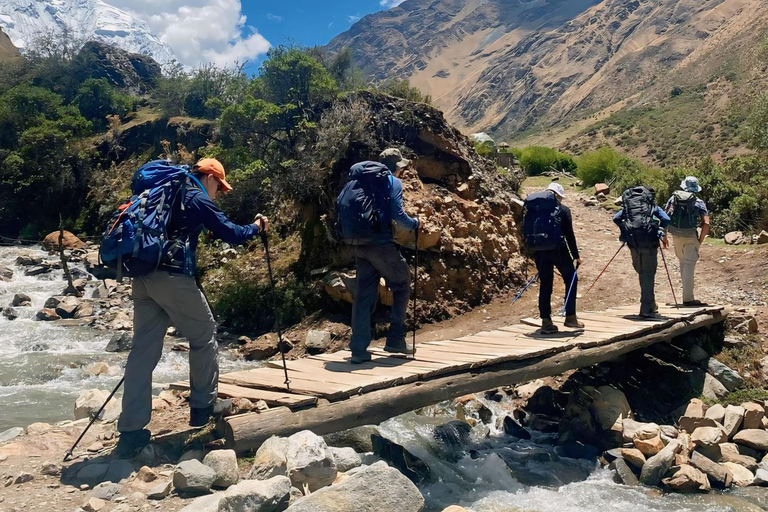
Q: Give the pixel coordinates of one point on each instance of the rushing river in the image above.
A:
(43, 365)
(42, 371)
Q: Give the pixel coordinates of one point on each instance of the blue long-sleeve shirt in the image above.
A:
(657, 212)
(199, 213)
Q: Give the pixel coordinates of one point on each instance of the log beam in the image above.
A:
(247, 431)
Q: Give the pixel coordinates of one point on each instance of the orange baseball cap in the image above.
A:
(214, 168)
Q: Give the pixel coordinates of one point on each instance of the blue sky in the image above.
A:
(308, 22)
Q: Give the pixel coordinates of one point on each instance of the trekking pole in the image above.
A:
(570, 290)
(527, 285)
(669, 276)
(68, 454)
(415, 284)
(606, 267)
(265, 241)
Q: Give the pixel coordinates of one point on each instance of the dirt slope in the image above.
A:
(7, 50)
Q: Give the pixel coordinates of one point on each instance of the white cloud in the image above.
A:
(200, 31)
(354, 18)
(390, 3)
(274, 17)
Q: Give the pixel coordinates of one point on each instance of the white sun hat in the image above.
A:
(557, 189)
(691, 184)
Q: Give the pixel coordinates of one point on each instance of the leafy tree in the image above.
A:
(756, 125)
(598, 166)
(96, 100)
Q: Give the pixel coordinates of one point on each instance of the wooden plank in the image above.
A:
(246, 432)
(266, 378)
(270, 397)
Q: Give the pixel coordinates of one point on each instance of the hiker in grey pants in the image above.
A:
(646, 261)
(171, 295)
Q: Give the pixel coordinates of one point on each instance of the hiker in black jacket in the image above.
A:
(566, 259)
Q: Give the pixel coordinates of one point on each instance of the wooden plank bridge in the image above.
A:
(328, 394)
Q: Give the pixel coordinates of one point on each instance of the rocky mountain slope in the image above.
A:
(26, 20)
(517, 67)
(7, 50)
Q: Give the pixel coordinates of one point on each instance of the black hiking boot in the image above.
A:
(360, 358)
(130, 443)
(547, 327)
(400, 347)
(693, 304)
(199, 416)
(572, 321)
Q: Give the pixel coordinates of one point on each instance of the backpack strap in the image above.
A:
(140, 223)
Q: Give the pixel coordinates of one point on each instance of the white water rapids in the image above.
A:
(42, 371)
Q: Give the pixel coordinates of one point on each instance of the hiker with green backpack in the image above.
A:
(642, 225)
(685, 209)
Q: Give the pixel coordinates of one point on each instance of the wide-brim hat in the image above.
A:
(393, 155)
(691, 184)
(557, 189)
(214, 168)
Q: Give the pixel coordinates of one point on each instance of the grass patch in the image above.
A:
(746, 361)
(544, 181)
(740, 396)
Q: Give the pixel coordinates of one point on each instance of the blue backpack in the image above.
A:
(541, 225)
(136, 241)
(362, 208)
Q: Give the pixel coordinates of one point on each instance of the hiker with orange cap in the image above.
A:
(170, 295)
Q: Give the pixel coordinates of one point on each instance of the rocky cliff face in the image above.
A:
(7, 50)
(510, 67)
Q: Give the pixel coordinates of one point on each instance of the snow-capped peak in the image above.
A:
(25, 20)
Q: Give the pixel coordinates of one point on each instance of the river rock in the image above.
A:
(94, 505)
(698, 356)
(729, 452)
(761, 478)
(120, 342)
(10, 313)
(84, 310)
(257, 496)
(624, 472)
(106, 491)
(742, 477)
(728, 377)
(146, 475)
(633, 456)
(38, 270)
(713, 389)
(734, 238)
(608, 406)
(734, 416)
(358, 438)
(208, 503)
(47, 315)
(634, 430)
(514, 429)
(453, 435)
(89, 402)
(689, 424)
(753, 415)
(192, 476)
(716, 413)
(66, 309)
(317, 341)
(21, 300)
(346, 458)
(649, 447)
(687, 479)
(105, 289)
(753, 438)
(719, 476)
(655, 467)
(261, 348)
(695, 409)
(92, 473)
(392, 491)
(160, 491)
(708, 436)
(6, 274)
(270, 460)
(122, 322)
(69, 241)
(224, 463)
(455, 508)
(96, 369)
(409, 465)
(669, 431)
(309, 461)
(11, 433)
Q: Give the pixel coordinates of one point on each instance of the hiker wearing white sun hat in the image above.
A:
(686, 210)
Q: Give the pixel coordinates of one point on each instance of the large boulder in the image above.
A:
(753, 415)
(735, 238)
(609, 405)
(713, 389)
(407, 463)
(317, 341)
(742, 477)
(716, 413)
(124, 70)
(193, 477)
(734, 416)
(224, 463)
(753, 438)
(21, 300)
(633, 430)
(270, 459)
(89, 402)
(624, 472)
(731, 452)
(358, 438)
(655, 467)
(346, 458)
(708, 436)
(687, 479)
(208, 503)
(728, 377)
(372, 489)
(309, 461)
(649, 447)
(257, 496)
(261, 348)
(719, 476)
(70, 241)
(120, 342)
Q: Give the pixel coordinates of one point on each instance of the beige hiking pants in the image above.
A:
(687, 251)
(160, 299)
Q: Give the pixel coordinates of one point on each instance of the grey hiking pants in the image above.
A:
(374, 262)
(645, 261)
(160, 299)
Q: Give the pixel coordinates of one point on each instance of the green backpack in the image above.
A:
(684, 215)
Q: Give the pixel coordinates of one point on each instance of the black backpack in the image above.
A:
(362, 206)
(640, 229)
(541, 224)
(683, 212)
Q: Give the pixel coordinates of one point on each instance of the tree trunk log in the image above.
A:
(247, 431)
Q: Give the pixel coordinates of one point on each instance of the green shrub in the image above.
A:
(598, 166)
(536, 160)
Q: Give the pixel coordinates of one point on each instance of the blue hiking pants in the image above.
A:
(374, 262)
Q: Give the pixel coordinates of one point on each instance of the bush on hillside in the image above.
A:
(598, 166)
(756, 125)
(403, 89)
(536, 160)
(96, 100)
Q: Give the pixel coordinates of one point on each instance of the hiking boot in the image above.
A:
(547, 327)
(360, 358)
(573, 322)
(693, 304)
(199, 416)
(399, 348)
(130, 443)
(652, 315)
